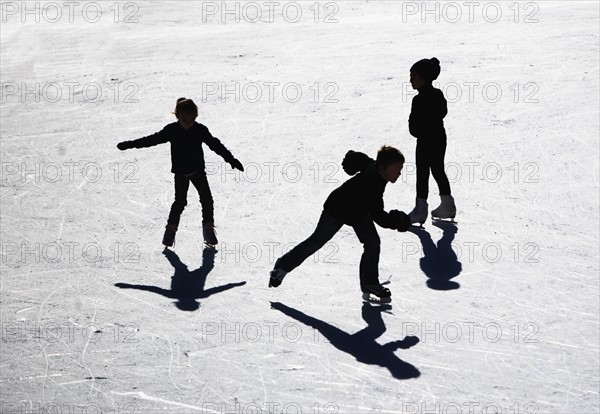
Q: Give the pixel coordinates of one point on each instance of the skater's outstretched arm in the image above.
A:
(159, 137)
(217, 146)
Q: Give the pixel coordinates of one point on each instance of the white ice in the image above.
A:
(515, 330)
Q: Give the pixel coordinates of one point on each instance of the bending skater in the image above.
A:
(357, 203)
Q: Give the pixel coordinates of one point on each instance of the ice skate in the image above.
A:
(210, 235)
(169, 237)
(446, 210)
(276, 277)
(376, 294)
(419, 213)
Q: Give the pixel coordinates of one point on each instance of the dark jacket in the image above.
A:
(361, 195)
(187, 155)
(426, 120)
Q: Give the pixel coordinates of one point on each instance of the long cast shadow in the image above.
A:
(362, 345)
(439, 262)
(186, 286)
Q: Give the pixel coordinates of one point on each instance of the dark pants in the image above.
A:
(327, 228)
(182, 184)
(430, 156)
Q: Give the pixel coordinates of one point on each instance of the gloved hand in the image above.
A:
(236, 164)
(401, 220)
(124, 145)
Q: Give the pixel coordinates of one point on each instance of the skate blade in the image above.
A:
(417, 225)
(367, 297)
(444, 219)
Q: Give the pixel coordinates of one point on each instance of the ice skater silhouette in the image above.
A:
(187, 286)
(439, 263)
(362, 345)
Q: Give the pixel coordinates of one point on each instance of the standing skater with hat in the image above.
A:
(426, 123)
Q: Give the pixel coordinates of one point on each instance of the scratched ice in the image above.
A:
(496, 314)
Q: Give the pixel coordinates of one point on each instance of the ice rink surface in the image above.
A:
(497, 314)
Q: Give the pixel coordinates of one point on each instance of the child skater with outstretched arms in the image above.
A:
(186, 137)
(426, 123)
(357, 203)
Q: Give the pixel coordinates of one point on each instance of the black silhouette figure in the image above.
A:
(187, 286)
(439, 263)
(186, 137)
(362, 345)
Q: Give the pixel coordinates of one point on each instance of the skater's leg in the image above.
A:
(182, 183)
(423, 162)
(422, 158)
(327, 228)
(438, 154)
(200, 181)
(447, 208)
(369, 262)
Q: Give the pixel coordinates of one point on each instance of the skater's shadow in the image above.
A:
(186, 286)
(439, 262)
(362, 345)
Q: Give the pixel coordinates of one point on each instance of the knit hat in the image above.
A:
(427, 68)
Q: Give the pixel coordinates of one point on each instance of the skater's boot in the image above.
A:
(419, 213)
(209, 234)
(447, 208)
(276, 277)
(376, 293)
(169, 237)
